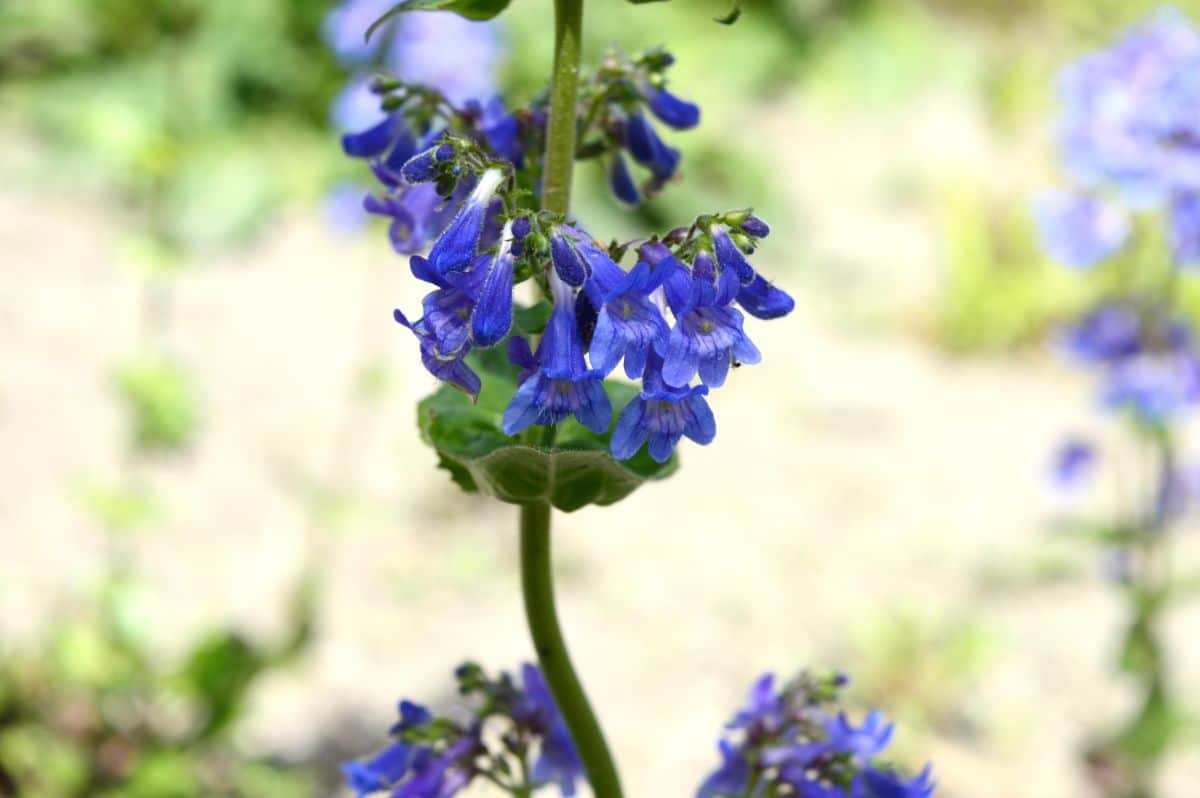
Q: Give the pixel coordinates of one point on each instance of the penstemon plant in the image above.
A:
(1132, 219)
(527, 415)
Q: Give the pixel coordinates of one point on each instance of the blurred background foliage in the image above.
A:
(206, 119)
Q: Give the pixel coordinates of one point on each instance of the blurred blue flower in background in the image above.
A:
(792, 740)
(1080, 229)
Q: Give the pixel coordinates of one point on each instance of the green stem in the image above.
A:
(537, 582)
(564, 90)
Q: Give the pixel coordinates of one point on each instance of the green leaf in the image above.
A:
(532, 320)
(643, 2)
(576, 472)
(478, 10)
(732, 16)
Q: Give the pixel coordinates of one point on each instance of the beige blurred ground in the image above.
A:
(855, 472)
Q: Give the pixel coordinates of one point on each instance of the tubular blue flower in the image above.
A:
(422, 167)
(661, 415)
(1154, 386)
(764, 300)
(418, 215)
(568, 262)
(1081, 230)
(754, 226)
(447, 368)
(563, 384)
(863, 742)
(730, 778)
(380, 772)
(377, 139)
(648, 149)
(1185, 228)
(441, 775)
(1074, 462)
(729, 256)
(1107, 334)
(459, 242)
(558, 761)
(621, 182)
(707, 337)
(627, 323)
(492, 316)
(679, 114)
(763, 706)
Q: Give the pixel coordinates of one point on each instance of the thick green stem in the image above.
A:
(537, 582)
(564, 90)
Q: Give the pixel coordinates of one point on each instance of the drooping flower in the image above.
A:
(765, 300)
(492, 315)
(649, 150)
(459, 242)
(380, 771)
(730, 778)
(862, 742)
(708, 336)
(563, 385)
(621, 182)
(661, 415)
(677, 113)
(1081, 230)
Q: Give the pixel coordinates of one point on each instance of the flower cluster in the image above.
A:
(1130, 138)
(513, 737)
(791, 740)
(464, 182)
(615, 102)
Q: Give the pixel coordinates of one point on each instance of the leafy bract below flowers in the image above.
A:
(511, 735)
(790, 739)
(463, 181)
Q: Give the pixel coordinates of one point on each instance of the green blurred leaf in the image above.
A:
(218, 673)
(161, 401)
(1153, 730)
(532, 320)
(478, 10)
(120, 508)
(576, 472)
(734, 14)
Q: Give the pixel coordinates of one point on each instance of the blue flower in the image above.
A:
(380, 772)
(441, 775)
(679, 114)
(1154, 386)
(707, 336)
(444, 330)
(1108, 334)
(861, 743)
(1081, 230)
(459, 242)
(628, 324)
(1128, 120)
(568, 261)
(422, 167)
(447, 52)
(558, 761)
(417, 216)
(648, 149)
(662, 415)
(1073, 464)
(730, 778)
(621, 182)
(492, 316)
(764, 707)
(764, 300)
(563, 385)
